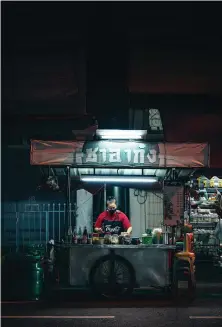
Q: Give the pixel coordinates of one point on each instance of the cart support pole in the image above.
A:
(104, 193)
(68, 199)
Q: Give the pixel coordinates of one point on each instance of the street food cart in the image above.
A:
(126, 158)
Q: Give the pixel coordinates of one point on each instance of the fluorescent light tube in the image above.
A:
(120, 179)
(118, 134)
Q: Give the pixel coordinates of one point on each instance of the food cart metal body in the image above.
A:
(150, 263)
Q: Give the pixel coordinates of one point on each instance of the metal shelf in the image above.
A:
(204, 224)
(213, 189)
(202, 217)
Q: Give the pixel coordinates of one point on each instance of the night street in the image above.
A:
(203, 312)
(141, 310)
(111, 164)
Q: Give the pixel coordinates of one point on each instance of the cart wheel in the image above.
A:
(112, 277)
(184, 289)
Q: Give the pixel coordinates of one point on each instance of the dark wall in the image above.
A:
(61, 58)
(175, 49)
(20, 180)
(120, 47)
(44, 58)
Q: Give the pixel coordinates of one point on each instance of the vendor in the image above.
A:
(112, 220)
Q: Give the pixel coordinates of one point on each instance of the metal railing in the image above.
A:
(24, 224)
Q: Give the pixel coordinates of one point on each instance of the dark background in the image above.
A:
(78, 60)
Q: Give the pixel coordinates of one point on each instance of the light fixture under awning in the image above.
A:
(118, 179)
(120, 134)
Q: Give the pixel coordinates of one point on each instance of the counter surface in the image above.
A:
(118, 246)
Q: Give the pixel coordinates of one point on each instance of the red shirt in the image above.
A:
(118, 216)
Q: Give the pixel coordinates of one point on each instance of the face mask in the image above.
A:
(112, 211)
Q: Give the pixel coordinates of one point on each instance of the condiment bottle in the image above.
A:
(74, 237)
(85, 236)
(79, 237)
(70, 234)
(89, 239)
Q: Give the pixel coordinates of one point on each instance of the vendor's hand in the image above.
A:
(98, 230)
(125, 234)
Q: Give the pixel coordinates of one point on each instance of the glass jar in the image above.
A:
(127, 240)
(95, 238)
(107, 238)
(115, 239)
(101, 240)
